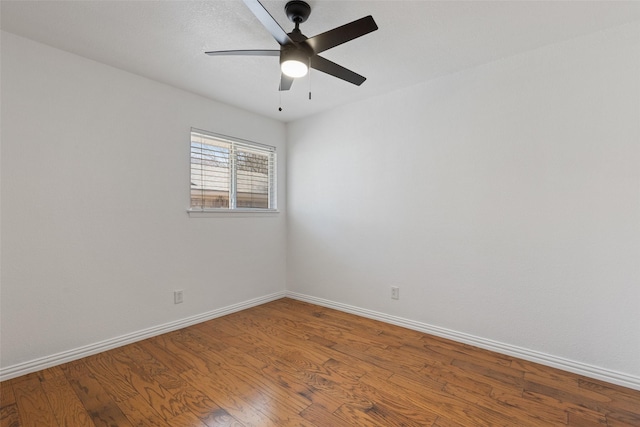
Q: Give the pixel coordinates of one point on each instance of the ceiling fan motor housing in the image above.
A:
(300, 52)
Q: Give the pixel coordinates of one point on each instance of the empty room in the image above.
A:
(319, 213)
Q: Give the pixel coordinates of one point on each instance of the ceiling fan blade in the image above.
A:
(261, 52)
(326, 66)
(342, 34)
(285, 82)
(269, 23)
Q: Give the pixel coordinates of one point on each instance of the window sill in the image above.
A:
(245, 213)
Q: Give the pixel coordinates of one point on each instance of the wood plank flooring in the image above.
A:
(288, 363)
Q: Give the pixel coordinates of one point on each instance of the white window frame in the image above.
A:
(235, 144)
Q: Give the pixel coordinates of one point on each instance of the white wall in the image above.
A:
(95, 187)
(504, 201)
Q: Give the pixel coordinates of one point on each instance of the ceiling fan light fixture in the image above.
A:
(298, 53)
(294, 68)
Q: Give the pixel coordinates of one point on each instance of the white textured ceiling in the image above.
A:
(416, 41)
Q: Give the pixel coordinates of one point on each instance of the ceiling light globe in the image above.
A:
(294, 68)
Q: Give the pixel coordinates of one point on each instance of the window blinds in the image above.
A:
(231, 174)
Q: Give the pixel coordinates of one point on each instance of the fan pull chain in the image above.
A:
(309, 79)
(280, 97)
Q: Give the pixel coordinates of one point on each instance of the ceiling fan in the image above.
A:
(298, 52)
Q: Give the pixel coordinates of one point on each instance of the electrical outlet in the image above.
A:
(177, 297)
(395, 292)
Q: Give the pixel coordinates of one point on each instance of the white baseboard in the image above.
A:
(579, 368)
(88, 350)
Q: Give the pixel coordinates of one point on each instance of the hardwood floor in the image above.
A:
(288, 363)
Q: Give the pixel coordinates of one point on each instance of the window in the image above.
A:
(228, 173)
